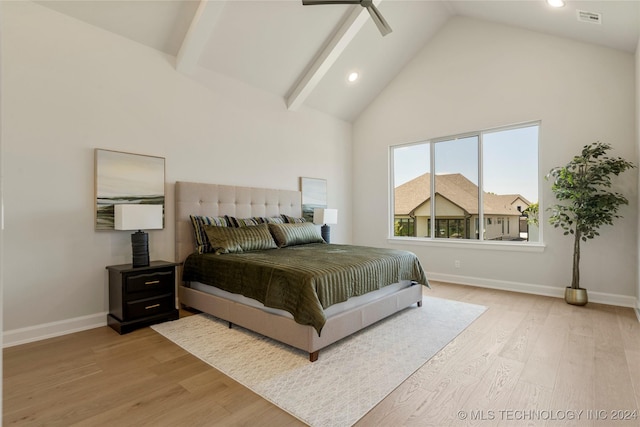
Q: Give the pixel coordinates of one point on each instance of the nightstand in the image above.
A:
(141, 296)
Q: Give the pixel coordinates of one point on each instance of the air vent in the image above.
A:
(591, 17)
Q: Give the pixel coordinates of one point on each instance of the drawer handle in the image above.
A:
(152, 306)
(152, 282)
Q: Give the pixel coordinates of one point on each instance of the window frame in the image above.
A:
(527, 246)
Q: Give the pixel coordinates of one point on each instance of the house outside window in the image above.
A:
(488, 177)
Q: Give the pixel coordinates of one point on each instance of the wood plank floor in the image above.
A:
(528, 360)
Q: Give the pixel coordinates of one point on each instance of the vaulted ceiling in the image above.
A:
(304, 53)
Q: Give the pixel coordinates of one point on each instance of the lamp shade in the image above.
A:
(325, 216)
(137, 217)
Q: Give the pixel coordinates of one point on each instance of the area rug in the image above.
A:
(349, 378)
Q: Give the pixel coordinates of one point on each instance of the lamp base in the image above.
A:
(325, 231)
(140, 249)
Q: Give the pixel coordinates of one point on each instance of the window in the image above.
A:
(404, 227)
(463, 181)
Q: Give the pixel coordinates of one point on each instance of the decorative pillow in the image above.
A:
(225, 240)
(293, 220)
(198, 222)
(295, 234)
(243, 222)
(249, 222)
(271, 220)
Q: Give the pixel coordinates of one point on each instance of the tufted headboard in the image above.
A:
(194, 198)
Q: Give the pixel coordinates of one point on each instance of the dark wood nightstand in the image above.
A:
(141, 296)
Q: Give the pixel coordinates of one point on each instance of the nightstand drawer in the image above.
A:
(150, 306)
(141, 296)
(156, 281)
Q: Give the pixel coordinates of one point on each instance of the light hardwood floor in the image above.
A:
(528, 360)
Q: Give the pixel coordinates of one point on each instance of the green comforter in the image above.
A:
(305, 279)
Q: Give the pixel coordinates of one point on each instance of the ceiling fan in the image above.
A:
(377, 18)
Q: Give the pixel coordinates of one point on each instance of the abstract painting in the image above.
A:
(314, 195)
(125, 178)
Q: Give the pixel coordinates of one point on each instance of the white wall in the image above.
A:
(1, 225)
(475, 75)
(68, 88)
(638, 163)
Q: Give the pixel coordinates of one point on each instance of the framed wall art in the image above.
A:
(125, 178)
(314, 195)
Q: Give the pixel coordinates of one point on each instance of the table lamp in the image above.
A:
(138, 217)
(325, 216)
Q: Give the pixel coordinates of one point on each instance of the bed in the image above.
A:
(333, 323)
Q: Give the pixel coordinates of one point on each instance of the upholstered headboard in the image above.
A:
(193, 198)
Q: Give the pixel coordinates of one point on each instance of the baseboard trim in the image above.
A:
(53, 329)
(528, 288)
(63, 327)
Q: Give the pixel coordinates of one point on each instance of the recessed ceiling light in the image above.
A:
(353, 76)
(555, 3)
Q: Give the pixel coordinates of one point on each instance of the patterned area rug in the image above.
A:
(349, 378)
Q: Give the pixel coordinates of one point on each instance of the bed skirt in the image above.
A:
(286, 330)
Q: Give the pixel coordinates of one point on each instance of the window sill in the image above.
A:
(469, 244)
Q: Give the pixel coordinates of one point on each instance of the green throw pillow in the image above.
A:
(225, 240)
(199, 222)
(295, 234)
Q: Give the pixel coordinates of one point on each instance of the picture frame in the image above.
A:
(314, 195)
(129, 178)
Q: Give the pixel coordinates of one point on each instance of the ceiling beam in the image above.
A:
(327, 56)
(198, 35)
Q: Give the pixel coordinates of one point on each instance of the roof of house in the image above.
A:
(457, 189)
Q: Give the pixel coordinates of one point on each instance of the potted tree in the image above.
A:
(586, 202)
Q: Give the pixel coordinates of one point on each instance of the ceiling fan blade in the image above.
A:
(377, 18)
(317, 2)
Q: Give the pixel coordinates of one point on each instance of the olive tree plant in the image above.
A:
(586, 202)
